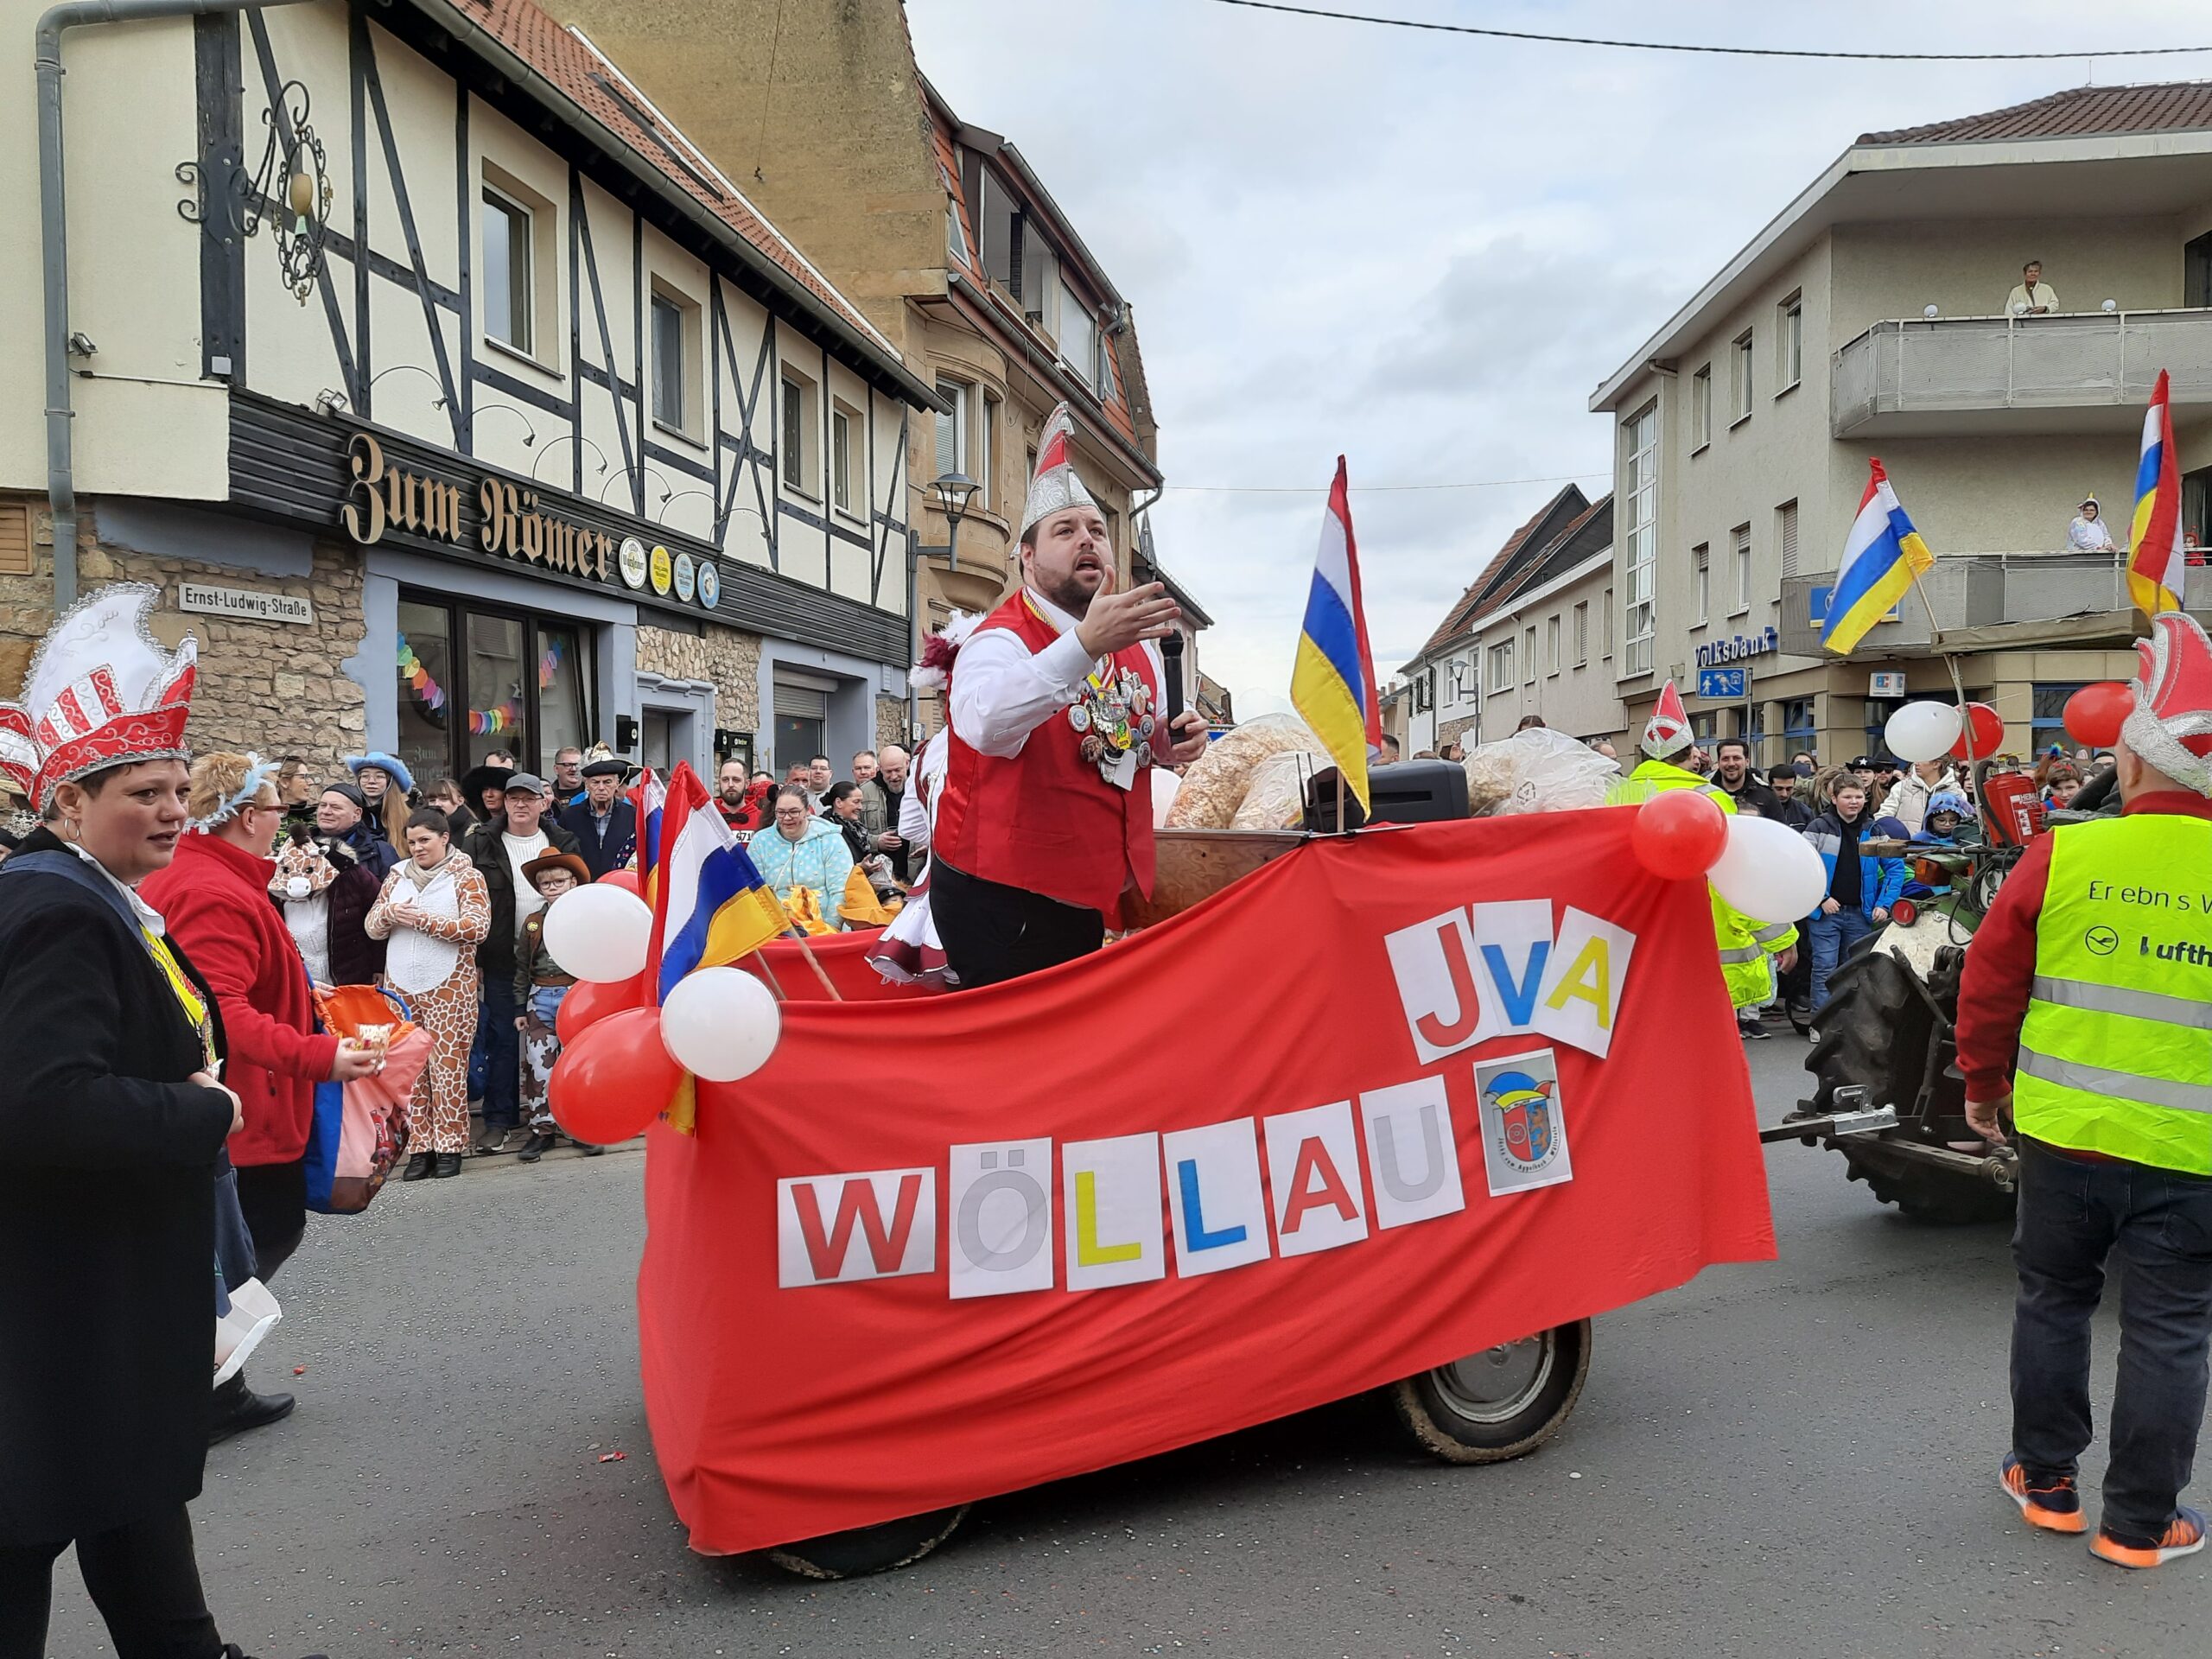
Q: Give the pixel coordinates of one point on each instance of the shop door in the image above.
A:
(802, 728)
(473, 680)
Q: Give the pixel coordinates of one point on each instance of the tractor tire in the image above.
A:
(1875, 1029)
(862, 1550)
(1503, 1403)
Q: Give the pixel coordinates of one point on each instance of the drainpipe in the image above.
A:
(54, 228)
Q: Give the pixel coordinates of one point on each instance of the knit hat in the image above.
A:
(101, 692)
(1054, 484)
(2171, 726)
(1667, 731)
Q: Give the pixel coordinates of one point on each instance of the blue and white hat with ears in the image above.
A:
(390, 763)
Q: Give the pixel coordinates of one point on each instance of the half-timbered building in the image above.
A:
(451, 394)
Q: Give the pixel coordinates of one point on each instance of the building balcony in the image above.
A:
(1963, 377)
(1989, 600)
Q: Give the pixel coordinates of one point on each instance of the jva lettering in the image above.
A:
(1498, 970)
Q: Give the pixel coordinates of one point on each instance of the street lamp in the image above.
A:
(953, 490)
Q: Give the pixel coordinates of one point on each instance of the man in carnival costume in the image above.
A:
(114, 1123)
(1045, 818)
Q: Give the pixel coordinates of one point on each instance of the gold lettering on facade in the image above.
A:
(363, 512)
(381, 495)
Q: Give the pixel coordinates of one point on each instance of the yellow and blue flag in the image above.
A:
(1332, 682)
(711, 906)
(2156, 566)
(1880, 559)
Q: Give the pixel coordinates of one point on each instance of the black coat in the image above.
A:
(613, 853)
(495, 957)
(107, 1233)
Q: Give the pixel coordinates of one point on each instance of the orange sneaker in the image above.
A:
(2053, 1505)
(2184, 1535)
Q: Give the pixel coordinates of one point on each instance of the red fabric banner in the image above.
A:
(843, 957)
(1392, 1099)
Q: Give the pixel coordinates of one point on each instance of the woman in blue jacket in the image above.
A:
(1860, 889)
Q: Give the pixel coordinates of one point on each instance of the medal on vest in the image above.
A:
(1111, 714)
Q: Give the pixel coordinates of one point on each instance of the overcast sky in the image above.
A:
(1423, 251)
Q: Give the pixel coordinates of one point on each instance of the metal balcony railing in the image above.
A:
(1924, 366)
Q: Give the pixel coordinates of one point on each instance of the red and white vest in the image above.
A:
(1044, 820)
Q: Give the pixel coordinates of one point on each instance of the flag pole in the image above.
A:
(805, 949)
(1958, 685)
(768, 969)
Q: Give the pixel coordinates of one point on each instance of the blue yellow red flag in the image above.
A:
(1882, 556)
(2156, 567)
(711, 906)
(1332, 682)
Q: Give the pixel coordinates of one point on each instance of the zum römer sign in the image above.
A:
(383, 497)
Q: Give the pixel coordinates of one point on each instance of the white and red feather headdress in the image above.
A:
(1667, 731)
(2171, 726)
(101, 692)
(1054, 483)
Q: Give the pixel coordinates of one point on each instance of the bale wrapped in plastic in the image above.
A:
(1275, 795)
(1214, 787)
(1536, 771)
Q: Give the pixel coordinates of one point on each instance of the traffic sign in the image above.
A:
(1720, 683)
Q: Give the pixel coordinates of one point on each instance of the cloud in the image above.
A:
(1422, 251)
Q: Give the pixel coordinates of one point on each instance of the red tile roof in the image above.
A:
(1520, 579)
(2167, 106)
(572, 67)
(1463, 608)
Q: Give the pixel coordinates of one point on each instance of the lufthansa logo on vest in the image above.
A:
(2101, 940)
(2179, 951)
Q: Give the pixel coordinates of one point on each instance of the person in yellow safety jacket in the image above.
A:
(2086, 1009)
(1752, 953)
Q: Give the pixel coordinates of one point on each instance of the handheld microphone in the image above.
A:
(1170, 656)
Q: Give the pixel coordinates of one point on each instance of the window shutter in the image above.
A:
(16, 557)
(1788, 537)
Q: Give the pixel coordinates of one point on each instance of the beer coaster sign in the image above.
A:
(632, 562)
(710, 585)
(687, 577)
(663, 570)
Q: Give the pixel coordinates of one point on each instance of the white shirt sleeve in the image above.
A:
(914, 822)
(1001, 693)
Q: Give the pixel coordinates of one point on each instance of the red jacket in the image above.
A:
(215, 897)
(1044, 820)
(2001, 961)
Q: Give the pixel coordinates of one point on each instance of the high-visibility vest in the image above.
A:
(1745, 945)
(2116, 1050)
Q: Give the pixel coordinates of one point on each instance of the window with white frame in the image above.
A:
(1078, 336)
(844, 457)
(1701, 409)
(1605, 624)
(675, 338)
(1789, 349)
(798, 435)
(1551, 643)
(1639, 515)
(1785, 536)
(1501, 665)
(1529, 654)
(952, 429)
(1743, 538)
(985, 427)
(1741, 385)
(955, 241)
(1582, 635)
(508, 266)
(1701, 584)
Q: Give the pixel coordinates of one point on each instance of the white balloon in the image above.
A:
(599, 932)
(1164, 785)
(721, 1023)
(1769, 871)
(1924, 731)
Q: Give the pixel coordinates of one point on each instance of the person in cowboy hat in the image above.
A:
(2081, 1017)
(484, 786)
(1746, 946)
(2088, 533)
(541, 986)
(1046, 816)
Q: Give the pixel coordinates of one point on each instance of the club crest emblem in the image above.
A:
(1524, 1134)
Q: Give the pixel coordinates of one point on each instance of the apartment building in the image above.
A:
(1872, 316)
(1532, 635)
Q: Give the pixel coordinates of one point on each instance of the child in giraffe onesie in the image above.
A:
(541, 985)
(433, 909)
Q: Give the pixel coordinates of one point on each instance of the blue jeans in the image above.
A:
(1832, 939)
(502, 1046)
(2074, 1213)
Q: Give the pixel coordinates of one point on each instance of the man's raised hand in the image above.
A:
(1116, 621)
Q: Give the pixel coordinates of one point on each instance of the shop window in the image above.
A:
(2050, 715)
(473, 679)
(802, 728)
(1798, 731)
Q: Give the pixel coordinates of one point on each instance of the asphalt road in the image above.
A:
(1790, 1459)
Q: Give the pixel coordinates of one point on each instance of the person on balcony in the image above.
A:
(2032, 297)
(2088, 533)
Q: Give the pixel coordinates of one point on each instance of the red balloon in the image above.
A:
(615, 1079)
(626, 879)
(1987, 730)
(1678, 833)
(589, 1002)
(2095, 713)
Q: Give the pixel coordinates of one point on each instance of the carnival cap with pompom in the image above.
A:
(934, 672)
(1054, 483)
(1667, 731)
(2171, 726)
(101, 692)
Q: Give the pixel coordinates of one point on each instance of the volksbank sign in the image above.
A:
(1737, 647)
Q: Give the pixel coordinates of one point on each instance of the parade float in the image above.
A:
(1399, 1109)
